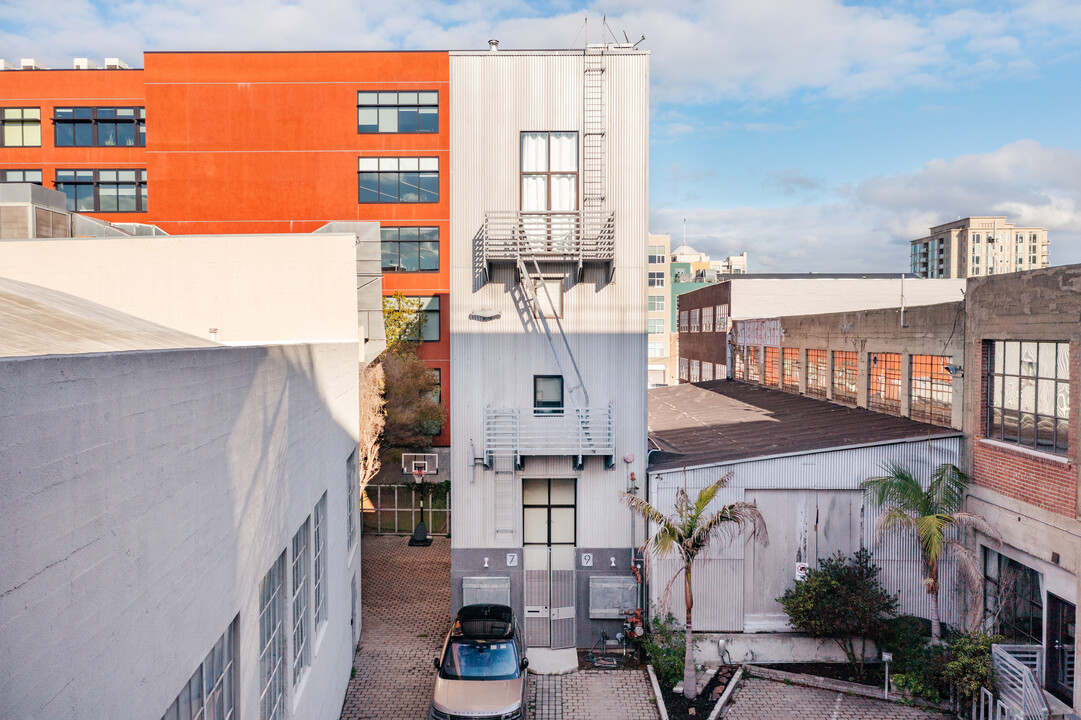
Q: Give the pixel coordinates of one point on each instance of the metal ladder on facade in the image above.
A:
(593, 124)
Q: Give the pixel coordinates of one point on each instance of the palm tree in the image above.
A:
(931, 513)
(686, 532)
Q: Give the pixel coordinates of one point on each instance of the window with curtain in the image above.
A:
(549, 171)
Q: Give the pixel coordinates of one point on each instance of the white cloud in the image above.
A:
(869, 228)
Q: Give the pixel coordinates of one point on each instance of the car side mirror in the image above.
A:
(435, 662)
(524, 663)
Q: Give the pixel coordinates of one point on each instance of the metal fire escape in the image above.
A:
(593, 124)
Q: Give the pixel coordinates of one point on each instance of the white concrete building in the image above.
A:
(180, 522)
(549, 164)
(976, 246)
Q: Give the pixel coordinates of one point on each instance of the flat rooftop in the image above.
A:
(725, 420)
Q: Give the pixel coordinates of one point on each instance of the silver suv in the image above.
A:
(482, 670)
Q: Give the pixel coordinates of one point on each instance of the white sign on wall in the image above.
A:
(801, 570)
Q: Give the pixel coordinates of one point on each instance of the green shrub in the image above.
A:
(842, 600)
(969, 664)
(665, 647)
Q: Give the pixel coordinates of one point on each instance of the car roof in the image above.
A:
(486, 621)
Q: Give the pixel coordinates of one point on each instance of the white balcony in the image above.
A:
(575, 432)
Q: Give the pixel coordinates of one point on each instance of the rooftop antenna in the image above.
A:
(684, 231)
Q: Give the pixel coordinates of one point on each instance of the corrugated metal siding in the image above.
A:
(493, 98)
(813, 508)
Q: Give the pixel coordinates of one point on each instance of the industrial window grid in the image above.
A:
(684, 369)
(752, 363)
(817, 373)
(272, 642)
(211, 690)
(696, 325)
(656, 349)
(772, 366)
(739, 370)
(930, 390)
(790, 369)
(99, 126)
(707, 319)
(720, 317)
(656, 326)
(884, 383)
(18, 176)
(410, 249)
(845, 376)
(684, 321)
(1012, 597)
(696, 371)
(113, 190)
(302, 619)
(1028, 394)
(707, 370)
(352, 480)
(319, 561)
(20, 127)
(398, 180)
(552, 507)
(656, 303)
(398, 112)
(656, 279)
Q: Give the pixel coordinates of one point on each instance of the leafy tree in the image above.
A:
(414, 416)
(842, 601)
(932, 514)
(403, 321)
(969, 664)
(686, 533)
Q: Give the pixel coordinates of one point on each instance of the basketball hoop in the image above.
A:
(418, 475)
(420, 533)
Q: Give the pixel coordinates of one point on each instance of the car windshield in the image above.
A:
(467, 660)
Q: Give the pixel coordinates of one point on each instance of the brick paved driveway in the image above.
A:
(758, 699)
(405, 595)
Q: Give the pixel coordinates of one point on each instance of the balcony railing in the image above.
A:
(578, 237)
(521, 432)
(1019, 671)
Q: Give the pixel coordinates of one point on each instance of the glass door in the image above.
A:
(1061, 631)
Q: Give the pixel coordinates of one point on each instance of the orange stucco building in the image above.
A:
(253, 143)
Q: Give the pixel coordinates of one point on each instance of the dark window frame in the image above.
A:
(887, 367)
(6, 178)
(376, 175)
(96, 182)
(818, 373)
(398, 107)
(386, 241)
(98, 119)
(845, 376)
(790, 368)
(1029, 377)
(22, 122)
(549, 505)
(1024, 620)
(548, 407)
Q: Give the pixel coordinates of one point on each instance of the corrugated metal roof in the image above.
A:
(726, 420)
(39, 321)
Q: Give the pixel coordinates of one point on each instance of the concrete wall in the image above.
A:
(146, 494)
(764, 297)
(250, 288)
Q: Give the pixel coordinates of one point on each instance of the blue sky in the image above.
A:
(816, 135)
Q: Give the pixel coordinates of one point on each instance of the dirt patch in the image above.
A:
(679, 707)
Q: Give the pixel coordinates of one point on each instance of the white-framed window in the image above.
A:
(656, 349)
(684, 369)
(656, 303)
(707, 371)
(656, 255)
(549, 171)
(707, 319)
(656, 278)
(319, 561)
(696, 371)
(695, 320)
(720, 318)
(211, 691)
(272, 642)
(302, 619)
(684, 321)
(352, 480)
(656, 326)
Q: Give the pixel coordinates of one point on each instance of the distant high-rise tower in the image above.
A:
(975, 246)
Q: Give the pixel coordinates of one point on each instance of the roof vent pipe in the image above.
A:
(493, 45)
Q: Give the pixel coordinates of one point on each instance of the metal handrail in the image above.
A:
(570, 236)
(1019, 671)
(569, 431)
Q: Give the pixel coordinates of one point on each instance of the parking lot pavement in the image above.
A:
(592, 695)
(758, 699)
(405, 600)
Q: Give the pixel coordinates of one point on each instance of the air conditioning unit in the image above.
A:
(31, 64)
(85, 64)
(5, 65)
(115, 64)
